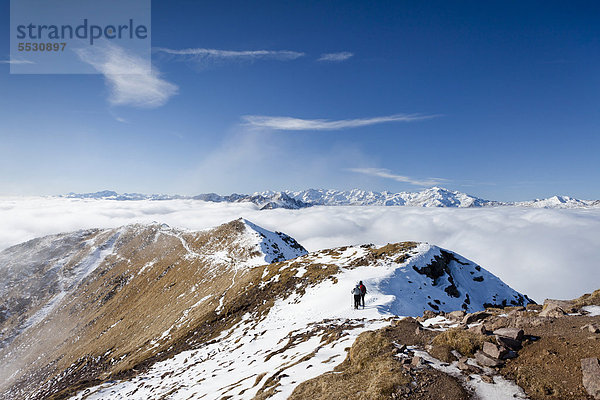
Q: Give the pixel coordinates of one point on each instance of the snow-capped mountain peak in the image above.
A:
(557, 202)
(272, 246)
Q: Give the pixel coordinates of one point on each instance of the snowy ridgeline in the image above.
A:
(246, 356)
(433, 197)
(37, 275)
(288, 342)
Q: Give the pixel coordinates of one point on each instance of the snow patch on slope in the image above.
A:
(501, 389)
(593, 311)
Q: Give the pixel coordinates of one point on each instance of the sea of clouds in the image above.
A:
(543, 253)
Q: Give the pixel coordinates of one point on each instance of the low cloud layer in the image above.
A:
(543, 253)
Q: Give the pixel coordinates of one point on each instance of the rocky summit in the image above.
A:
(238, 311)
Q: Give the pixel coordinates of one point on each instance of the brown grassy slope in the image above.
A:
(463, 341)
(161, 293)
(115, 320)
(372, 371)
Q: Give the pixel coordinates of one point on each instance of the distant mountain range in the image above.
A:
(432, 197)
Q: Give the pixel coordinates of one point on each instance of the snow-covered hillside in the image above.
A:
(289, 344)
(236, 310)
(432, 197)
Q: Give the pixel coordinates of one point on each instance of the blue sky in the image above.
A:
(498, 99)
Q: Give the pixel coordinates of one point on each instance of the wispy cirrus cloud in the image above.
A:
(16, 61)
(132, 82)
(335, 57)
(299, 124)
(387, 174)
(232, 55)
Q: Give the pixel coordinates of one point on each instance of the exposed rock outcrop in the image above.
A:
(590, 369)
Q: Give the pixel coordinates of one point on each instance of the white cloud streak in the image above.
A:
(386, 173)
(335, 57)
(16, 62)
(540, 252)
(216, 54)
(298, 124)
(132, 82)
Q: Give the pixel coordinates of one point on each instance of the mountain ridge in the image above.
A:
(161, 300)
(432, 197)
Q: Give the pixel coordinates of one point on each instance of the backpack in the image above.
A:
(363, 289)
(356, 291)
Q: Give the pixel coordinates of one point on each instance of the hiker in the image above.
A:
(356, 293)
(363, 291)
